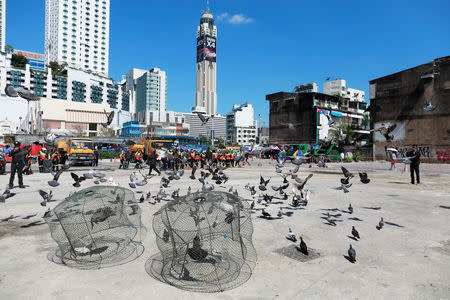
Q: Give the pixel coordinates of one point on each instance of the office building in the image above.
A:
(77, 33)
(151, 95)
(398, 101)
(206, 94)
(215, 126)
(241, 126)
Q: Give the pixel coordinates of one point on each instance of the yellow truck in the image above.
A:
(77, 150)
(146, 147)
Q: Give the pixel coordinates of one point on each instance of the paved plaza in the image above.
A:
(407, 259)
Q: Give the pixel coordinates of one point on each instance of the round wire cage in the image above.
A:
(205, 242)
(96, 227)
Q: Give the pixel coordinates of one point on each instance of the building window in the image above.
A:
(96, 94)
(78, 91)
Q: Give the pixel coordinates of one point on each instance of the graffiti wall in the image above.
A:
(426, 153)
(389, 131)
(443, 156)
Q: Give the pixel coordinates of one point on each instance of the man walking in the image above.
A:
(152, 162)
(414, 156)
(17, 164)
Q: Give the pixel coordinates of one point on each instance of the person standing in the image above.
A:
(17, 164)
(42, 155)
(122, 159)
(55, 160)
(394, 160)
(152, 162)
(414, 156)
(96, 155)
(2, 164)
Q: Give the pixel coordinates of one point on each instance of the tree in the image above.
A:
(19, 61)
(221, 142)
(343, 135)
(58, 69)
(9, 49)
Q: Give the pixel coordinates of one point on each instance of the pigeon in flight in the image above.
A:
(345, 187)
(202, 118)
(351, 254)
(363, 178)
(46, 196)
(77, 179)
(6, 194)
(109, 119)
(385, 131)
(302, 182)
(346, 173)
(263, 183)
(291, 126)
(428, 106)
(54, 182)
(355, 233)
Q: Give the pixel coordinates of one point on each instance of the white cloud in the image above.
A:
(234, 19)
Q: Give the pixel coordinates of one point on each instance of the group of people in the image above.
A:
(175, 159)
(414, 157)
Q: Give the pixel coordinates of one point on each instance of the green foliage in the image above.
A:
(358, 157)
(108, 155)
(348, 159)
(343, 135)
(58, 69)
(9, 49)
(220, 142)
(19, 61)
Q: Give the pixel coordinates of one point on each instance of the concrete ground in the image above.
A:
(408, 259)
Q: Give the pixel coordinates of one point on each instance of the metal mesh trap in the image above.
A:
(205, 242)
(97, 227)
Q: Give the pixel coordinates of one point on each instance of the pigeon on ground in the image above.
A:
(207, 187)
(77, 179)
(6, 194)
(428, 106)
(265, 214)
(252, 206)
(355, 233)
(351, 254)
(303, 248)
(54, 182)
(134, 181)
(291, 236)
(381, 223)
(141, 200)
(280, 212)
(363, 178)
(134, 208)
(350, 209)
(46, 196)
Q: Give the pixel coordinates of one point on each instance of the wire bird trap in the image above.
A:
(97, 227)
(205, 242)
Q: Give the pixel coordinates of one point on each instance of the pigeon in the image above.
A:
(428, 106)
(385, 131)
(331, 121)
(363, 178)
(345, 180)
(101, 215)
(263, 183)
(165, 236)
(134, 181)
(344, 187)
(302, 182)
(350, 209)
(355, 233)
(347, 174)
(265, 214)
(96, 181)
(141, 200)
(321, 164)
(298, 160)
(351, 254)
(109, 119)
(303, 248)
(202, 118)
(280, 188)
(54, 182)
(292, 172)
(77, 179)
(134, 209)
(46, 196)
(291, 236)
(148, 195)
(381, 223)
(47, 213)
(252, 206)
(280, 212)
(175, 194)
(6, 194)
(207, 187)
(330, 220)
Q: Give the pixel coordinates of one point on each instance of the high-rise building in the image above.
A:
(2, 25)
(206, 96)
(151, 95)
(77, 33)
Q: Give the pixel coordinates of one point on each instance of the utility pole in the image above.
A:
(259, 129)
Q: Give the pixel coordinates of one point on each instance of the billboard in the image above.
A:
(206, 48)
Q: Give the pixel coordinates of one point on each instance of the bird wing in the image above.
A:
(43, 194)
(74, 176)
(363, 175)
(110, 118)
(346, 172)
(201, 117)
(56, 177)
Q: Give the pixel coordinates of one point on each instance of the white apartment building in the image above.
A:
(76, 97)
(77, 33)
(339, 87)
(2, 25)
(241, 126)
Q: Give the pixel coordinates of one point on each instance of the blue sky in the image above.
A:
(263, 46)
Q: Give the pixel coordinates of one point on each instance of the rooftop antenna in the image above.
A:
(207, 5)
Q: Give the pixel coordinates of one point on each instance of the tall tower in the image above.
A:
(77, 33)
(206, 95)
(2, 24)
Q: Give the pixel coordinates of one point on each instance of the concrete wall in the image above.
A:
(399, 99)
